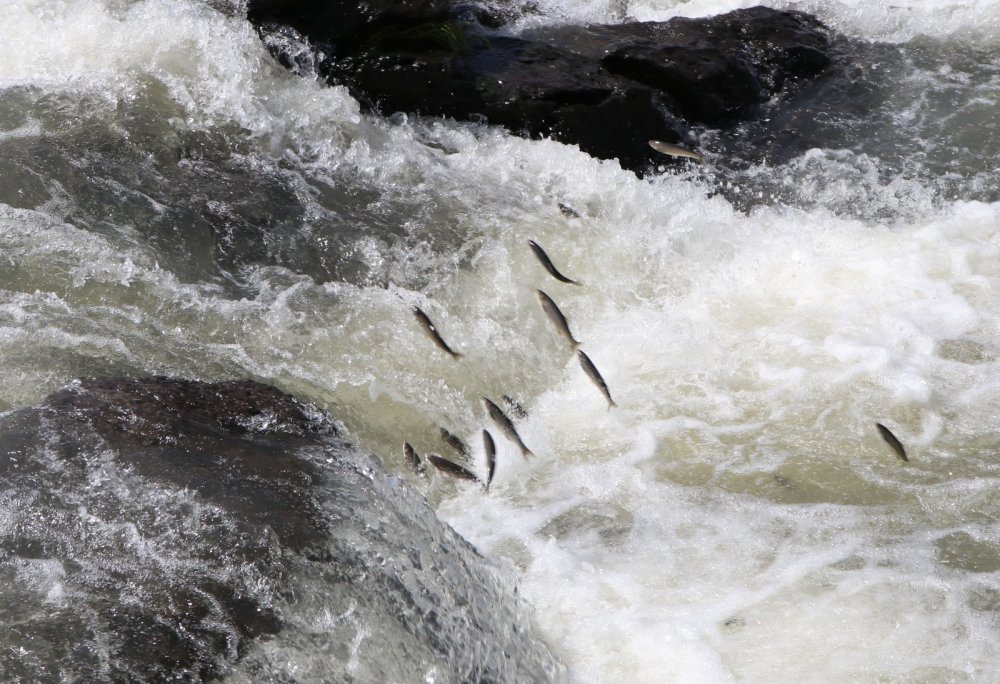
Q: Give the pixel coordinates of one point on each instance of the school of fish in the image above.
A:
(561, 325)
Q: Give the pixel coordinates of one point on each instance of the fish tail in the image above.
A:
(612, 402)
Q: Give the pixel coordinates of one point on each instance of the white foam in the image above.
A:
(726, 340)
(110, 48)
(892, 22)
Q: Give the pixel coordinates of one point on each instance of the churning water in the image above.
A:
(174, 202)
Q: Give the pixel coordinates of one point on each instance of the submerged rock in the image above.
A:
(171, 530)
(606, 88)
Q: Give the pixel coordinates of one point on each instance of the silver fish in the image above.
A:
(591, 370)
(892, 441)
(456, 443)
(514, 407)
(451, 468)
(410, 454)
(556, 316)
(675, 150)
(507, 427)
(547, 263)
(568, 211)
(432, 332)
(491, 457)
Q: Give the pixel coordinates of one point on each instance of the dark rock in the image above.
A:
(231, 444)
(167, 530)
(608, 89)
(716, 71)
(343, 26)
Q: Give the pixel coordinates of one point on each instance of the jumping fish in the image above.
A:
(514, 407)
(456, 443)
(451, 468)
(568, 211)
(675, 150)
(556, 316)
(491, 457)
(507, 427)
(432, 332)
(410, 454)
(892, 441)
(547, 263)
(591, 370)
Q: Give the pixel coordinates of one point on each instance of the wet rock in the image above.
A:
(170, 530)
(341, 26)
(716, 71)
(608, 89)
(103, 478)
(232, 442)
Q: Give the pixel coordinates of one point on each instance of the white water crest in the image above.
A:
(736, 518)
(889, 21)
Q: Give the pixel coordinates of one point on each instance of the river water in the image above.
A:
(172, 201)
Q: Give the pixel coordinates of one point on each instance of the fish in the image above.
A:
(432, 332)
(456, 443)
(675, 150)
(491, 457)
(556, 316)
(568, 211)
(410, 454)
(547, 263)
(507, 427)
(591, 370)
(514, 407)
(451, 468)
(892, 441)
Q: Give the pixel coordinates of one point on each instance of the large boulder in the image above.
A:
(343, 26)
(607, 88)
(171, 530)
